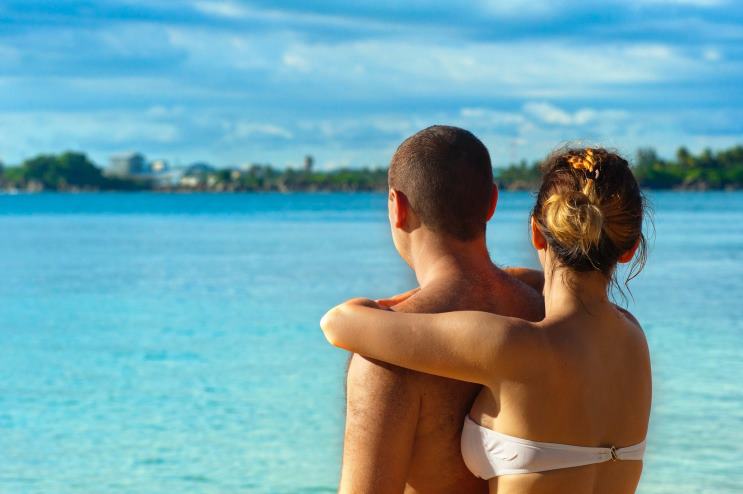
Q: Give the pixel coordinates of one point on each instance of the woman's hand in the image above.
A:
(397, 299)
(362, 302)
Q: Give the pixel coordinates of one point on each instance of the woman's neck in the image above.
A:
(567, 291)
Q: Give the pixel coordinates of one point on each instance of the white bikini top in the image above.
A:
(489, 454)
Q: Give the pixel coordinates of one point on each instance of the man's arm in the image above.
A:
(381, 420)
(531, 277)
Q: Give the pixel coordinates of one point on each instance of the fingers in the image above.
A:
(397, 299)
(387, 302)
(365, 302)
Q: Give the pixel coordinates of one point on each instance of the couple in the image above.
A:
(490, 380)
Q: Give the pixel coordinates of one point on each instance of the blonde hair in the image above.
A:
(590, 210)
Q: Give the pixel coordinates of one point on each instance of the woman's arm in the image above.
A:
(465, 345)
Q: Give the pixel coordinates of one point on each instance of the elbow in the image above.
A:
(329, 325)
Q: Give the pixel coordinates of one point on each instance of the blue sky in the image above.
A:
(233, 82)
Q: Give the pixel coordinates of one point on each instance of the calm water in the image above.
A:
(169, 343)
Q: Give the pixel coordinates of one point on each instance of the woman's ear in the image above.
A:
(493, 202)
(628, 255)
(399, 208)
(537, 238)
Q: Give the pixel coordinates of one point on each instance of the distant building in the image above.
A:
(197, 175)
(308, 162)
(159, 166)
(127, 164)
(169, 178)
(190, 181)
(199, 168)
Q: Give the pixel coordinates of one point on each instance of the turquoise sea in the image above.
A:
(170, 343)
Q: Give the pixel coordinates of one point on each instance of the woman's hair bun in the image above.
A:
(590, 209)
(574, 220)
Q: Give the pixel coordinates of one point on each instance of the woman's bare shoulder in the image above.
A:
(628, 315)
(636, 335)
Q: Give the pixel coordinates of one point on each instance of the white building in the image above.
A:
(127, 164)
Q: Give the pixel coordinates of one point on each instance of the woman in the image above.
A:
(565, 401)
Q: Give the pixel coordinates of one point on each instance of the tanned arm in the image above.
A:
(382, 411)
(467, 345)
(382, 406)
(531, 277)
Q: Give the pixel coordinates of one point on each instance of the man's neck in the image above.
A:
(436, 258)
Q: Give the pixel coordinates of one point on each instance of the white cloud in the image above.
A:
(712, 55)
(530, 131)
(158, 111)
(220, 9)
(488, 69)
(538, 127)
(236, 11)
(521, 8)
(486, 116)
(294, 61)
(225, 53)
(550, 114)
(242, 130)
(692, 3)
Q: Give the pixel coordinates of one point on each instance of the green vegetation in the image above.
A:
(521, 176)
(67, 171)
(72, 171)
(706, 171)
(267, 178)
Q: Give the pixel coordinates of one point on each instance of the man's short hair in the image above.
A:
(446, 174)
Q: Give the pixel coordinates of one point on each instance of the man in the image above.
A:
(403, 427)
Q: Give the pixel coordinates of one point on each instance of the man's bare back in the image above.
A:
(403, 427)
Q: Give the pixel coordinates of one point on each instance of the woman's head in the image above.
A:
(589, 211)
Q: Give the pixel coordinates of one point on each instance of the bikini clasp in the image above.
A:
(613, 451)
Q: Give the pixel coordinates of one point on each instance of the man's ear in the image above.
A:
(537, 238)
(493, 202)
(628, 255)
(399, 208)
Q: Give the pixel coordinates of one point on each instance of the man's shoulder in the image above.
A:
(519, 299)
(433, 300)
(371, 373)
(498, 292)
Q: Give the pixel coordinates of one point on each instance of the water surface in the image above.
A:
(169, 343)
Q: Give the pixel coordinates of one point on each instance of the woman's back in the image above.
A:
(584, 380)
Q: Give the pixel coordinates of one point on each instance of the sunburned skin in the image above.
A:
(403, 427)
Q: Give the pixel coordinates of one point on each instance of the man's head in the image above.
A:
(441, 179)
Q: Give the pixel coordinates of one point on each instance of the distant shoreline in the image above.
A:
(74, 172)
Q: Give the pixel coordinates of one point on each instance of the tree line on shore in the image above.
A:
(708, 170)
(74, 171)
